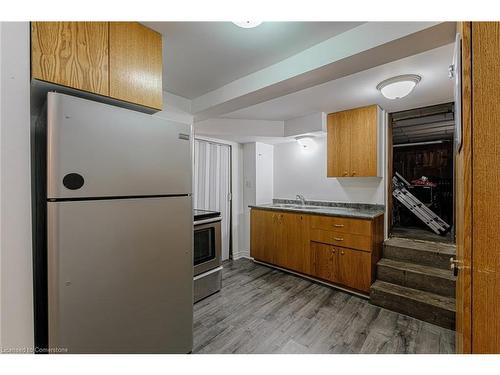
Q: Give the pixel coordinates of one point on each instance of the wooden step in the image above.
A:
(426, 253)
(417, 276)
(429, 307)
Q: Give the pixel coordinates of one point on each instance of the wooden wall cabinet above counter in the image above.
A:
(119, 60)
(353, 142)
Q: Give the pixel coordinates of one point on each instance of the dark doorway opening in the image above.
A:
(423, 154)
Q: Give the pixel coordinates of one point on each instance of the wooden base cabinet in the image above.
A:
(324, 262)
(280, 238)
(354, 267)
(263, 225)
(294, 242)
(337, 250)
(347, 267)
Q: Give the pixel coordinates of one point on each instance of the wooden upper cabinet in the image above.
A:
(121, 60)
(352, 149)
(72, 54)
(339, 145)
(135, 60)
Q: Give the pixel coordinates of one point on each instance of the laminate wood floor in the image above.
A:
(264, 310)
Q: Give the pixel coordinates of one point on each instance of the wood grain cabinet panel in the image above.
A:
(72, 54)
(323, 266)
(352, 143)
(338, 145)
(263, 228)
(342, 224)
(364, 140)
(135, 59)
(342, 239)
(354, 268)
(294, 242)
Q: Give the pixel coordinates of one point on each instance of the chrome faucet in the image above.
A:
(301, 199)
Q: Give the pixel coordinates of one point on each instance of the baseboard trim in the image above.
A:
(242, 254)
(364, 296)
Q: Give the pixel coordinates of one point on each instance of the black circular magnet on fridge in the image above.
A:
(73, 181)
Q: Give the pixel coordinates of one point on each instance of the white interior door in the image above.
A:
(212, 184)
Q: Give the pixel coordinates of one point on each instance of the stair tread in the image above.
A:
(421, 245)
(417, 268)
(446, 303)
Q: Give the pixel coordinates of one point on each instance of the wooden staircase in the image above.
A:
(414, 278)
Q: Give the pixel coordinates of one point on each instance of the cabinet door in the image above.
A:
(324, 262)
(354, 268)
(280, 243)
(262, 238)
(72, 54)
(135, 60)
(293, 245)
(363, 125)
(339, 145)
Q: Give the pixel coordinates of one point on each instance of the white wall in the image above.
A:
(264, 167)
(16, 276)
(176, 108)
(298, 171)
(315, 122)
(240, 130)
(249, 193)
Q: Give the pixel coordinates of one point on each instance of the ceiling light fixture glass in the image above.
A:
(247, 24)
(305, 141)
(398, 87)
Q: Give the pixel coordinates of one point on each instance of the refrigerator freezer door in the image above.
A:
(97, 150)
(121, 275)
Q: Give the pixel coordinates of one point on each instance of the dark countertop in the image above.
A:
(361, 211)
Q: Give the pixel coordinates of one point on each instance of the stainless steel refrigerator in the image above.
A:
(118, 230)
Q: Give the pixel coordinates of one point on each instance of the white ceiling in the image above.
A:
(202, 56)
(360, 89)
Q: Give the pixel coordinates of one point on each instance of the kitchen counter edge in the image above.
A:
(360, 214)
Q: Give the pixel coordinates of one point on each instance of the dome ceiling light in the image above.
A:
(247, 24)
(398, 87)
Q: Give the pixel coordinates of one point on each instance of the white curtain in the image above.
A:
(212, 184)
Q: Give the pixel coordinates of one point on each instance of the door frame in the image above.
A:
(232, 237)
(389, 171)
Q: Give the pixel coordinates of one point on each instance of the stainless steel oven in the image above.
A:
(207, 246)
(207, 253)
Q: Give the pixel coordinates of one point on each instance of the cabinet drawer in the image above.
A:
(343, 225)
(353, 241)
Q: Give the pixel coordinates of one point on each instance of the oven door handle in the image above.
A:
(206, 221)
(207, 273)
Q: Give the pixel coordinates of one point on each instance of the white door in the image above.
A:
(212, 184)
